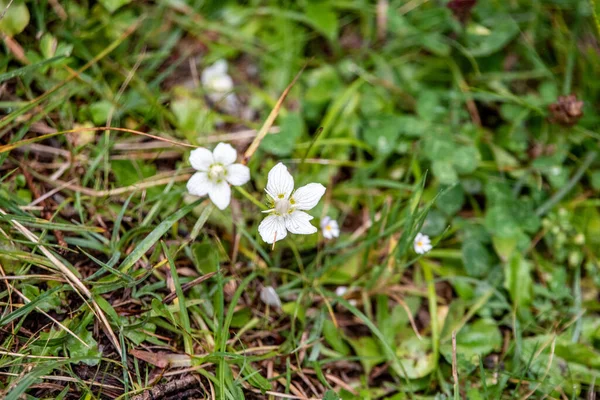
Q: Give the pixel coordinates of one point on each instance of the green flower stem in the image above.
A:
(432, 299)
(250, 197)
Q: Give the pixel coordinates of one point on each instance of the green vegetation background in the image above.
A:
(416, 115)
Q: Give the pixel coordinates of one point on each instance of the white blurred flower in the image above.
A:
(219, 85)
(269, 296)
(422, 243)
(216, 171)
(330, 228)
(341, 291)
(286, 214)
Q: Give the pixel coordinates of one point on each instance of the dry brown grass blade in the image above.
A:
(145, 184)
(270, 119)
(71, 278)
(12, 146)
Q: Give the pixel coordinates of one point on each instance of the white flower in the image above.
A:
(330, 228)
(286, 214)
(341, 291)
(269, 296)
(219, 85)
(216, 171)
(422, 243)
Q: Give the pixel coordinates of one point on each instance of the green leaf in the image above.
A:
(16, 18)
(382, 132)
(45, 302)
(518, 281)
(499, 221)
(114, 5)
(416, 357)
(126, 173)
(322, 17)
(282, 144)
(368, 351)
(429, 106)
(333, 337)
(100, 111)
(451, 201)
(331, 395)
(465, 159)
(88, 355)
(476, 258)
(445, 172)
(206, 256)
(488, 41)
(436, 43)
(479, 338)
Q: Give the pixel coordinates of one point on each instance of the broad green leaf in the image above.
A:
(416, 357)
(334, 337)
(382, 132)
(465, 159)
(16, 18)
(451, 201)
(322, 17)
(100, 112)
(206, 256)
(484, 42)
(499, 221)
(444, 172)
(282, 144)
(369, 352)
(476, 258)
(90, 356)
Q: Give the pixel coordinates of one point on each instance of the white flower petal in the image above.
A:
(269, 296)
(341, 290)
(272, 229)
(280, 182)
(306, 197)
(220, 194)
(422, 238)
(225, 154)
(215, 71)
(198, 185)
(238, 174)
(325, 222)
(201, 159)
(299, 222)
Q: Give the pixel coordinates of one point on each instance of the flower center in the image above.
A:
(328, 228)
(282, 206)
(419, 244)
(216, 172)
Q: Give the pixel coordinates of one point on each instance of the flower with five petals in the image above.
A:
(287, 212)
(216, 171)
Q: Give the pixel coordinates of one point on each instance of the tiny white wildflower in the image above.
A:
(422, 244)
(269, 296)
(341, 291)
(286, 214)
(219, 85)
(216, 171)
(330, 228)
